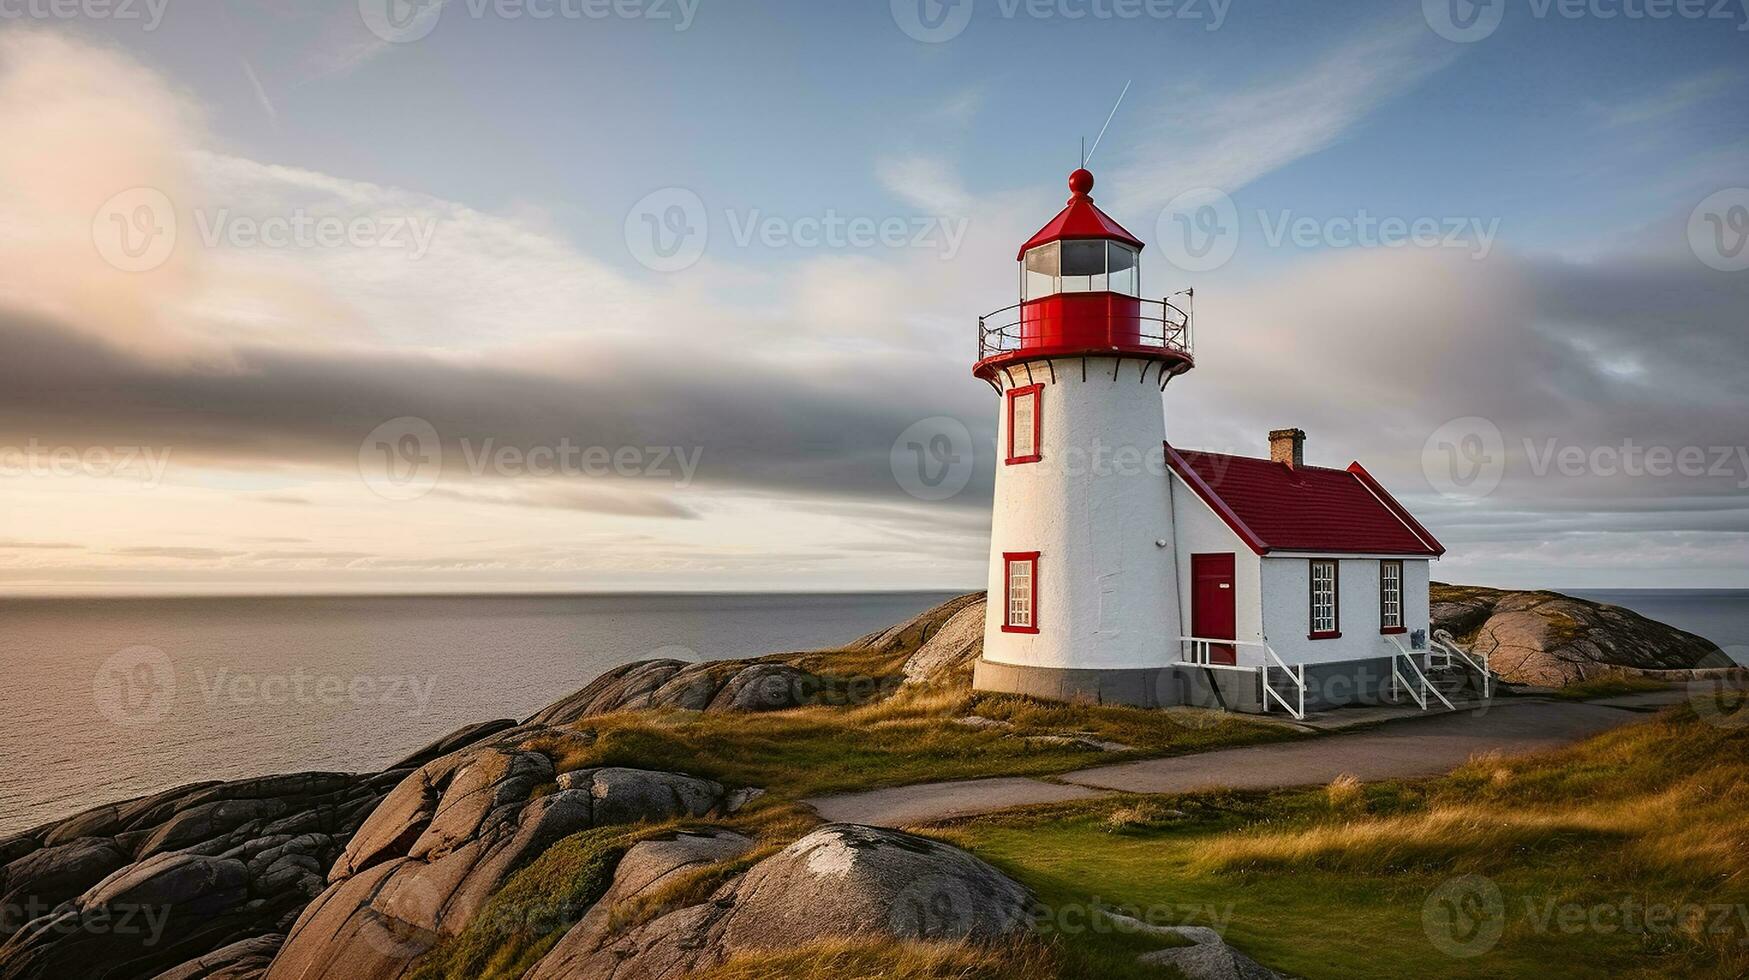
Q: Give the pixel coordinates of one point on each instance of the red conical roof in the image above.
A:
(1080, 219)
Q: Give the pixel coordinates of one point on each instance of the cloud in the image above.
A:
(1229, 137)
(188, 554)
(84, 124)
(1669, 100)
(557, 494)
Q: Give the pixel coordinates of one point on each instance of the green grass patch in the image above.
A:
(1608, 686)
(1344, 881)
(911, 737)
(535, 907)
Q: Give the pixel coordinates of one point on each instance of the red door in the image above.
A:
(1211, 604)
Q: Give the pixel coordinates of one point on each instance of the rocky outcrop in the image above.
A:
(1208, 957)
(1549, 640)
(196, 881)
(947, 656)
(916, 631)
(449, 836)
(723, 686)
(840, 881)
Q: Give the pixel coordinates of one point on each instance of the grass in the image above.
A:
(1346, 881)
(888, 960)
(1608, 686)
(910, 737)
(533, 910)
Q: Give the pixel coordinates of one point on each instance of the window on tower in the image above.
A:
(1040, 272)
(1083, 266)
(1123, 271)
(1020, 589)
(1080, 266)
(1024, 424)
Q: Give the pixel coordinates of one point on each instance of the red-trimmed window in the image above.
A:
(1391, 597)
(1020, 592)
(1326, 599)
(1024, 423)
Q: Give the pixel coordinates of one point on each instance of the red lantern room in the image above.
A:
(1080, 296)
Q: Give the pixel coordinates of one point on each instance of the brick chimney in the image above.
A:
(1288, 446)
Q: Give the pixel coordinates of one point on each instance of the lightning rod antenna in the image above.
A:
(1087, 154)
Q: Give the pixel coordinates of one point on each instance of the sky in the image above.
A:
(554, 295)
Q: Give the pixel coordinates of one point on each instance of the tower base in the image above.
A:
(1179, 685)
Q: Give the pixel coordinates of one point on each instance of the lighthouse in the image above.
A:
(1083, 582)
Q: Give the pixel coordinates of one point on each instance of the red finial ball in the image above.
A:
(1080, 182)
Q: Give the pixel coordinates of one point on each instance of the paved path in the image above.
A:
(1400, 749)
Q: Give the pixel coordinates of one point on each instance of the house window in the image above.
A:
(1390, 597)
(1024, 424)
(1324, 600)
(1020, 614)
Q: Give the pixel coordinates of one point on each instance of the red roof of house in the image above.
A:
(1276, 507)
(1081, 219)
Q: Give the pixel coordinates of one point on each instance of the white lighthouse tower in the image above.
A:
(1084, 598)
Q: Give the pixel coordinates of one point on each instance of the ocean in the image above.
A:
(105, 699)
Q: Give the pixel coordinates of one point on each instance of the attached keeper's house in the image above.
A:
(1126, 570)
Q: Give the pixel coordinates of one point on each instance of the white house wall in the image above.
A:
(1201, 531)
(1287, 608)
(1105, 589)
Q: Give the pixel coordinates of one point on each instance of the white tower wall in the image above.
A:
(1094, 507)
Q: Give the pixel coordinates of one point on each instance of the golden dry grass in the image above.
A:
(1021, 959)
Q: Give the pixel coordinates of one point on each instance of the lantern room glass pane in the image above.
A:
(1039, 277)
(1083, 266)
(1122, 270)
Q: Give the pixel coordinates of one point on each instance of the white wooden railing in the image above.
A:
(1446, 648)
(1421, 686)
(1199, 650)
